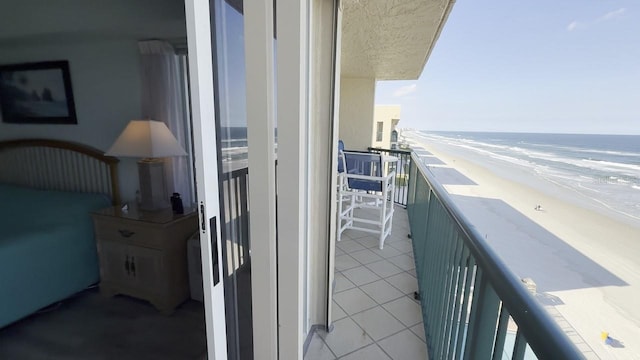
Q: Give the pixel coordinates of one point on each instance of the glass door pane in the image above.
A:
(231, 126)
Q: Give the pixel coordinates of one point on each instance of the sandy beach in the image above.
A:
(584, 259)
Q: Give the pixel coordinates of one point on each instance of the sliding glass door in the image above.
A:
(206, 155)
(231, 126)
(221, 115)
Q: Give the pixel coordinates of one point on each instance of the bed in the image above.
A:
(47, 247)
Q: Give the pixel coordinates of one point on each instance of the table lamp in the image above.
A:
(151, 141)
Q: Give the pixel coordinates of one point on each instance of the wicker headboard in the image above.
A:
(58, 165)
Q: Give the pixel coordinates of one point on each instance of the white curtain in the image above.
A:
(163, 99)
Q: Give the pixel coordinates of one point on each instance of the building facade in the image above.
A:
(386, 119)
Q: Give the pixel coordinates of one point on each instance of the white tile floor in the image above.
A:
(374, 313)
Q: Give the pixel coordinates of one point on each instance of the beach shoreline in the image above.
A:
(584, 261)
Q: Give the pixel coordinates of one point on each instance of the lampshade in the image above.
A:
(150, 140)
(146, 139)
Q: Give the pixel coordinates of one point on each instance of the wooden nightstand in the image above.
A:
(144, 254)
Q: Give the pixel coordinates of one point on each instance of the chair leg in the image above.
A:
(353, 204)
(383, 222)
(391, 209)
(339, 237)
(391, 206)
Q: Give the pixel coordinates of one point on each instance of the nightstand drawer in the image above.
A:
(129, 232)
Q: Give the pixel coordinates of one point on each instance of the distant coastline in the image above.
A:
(603, 171)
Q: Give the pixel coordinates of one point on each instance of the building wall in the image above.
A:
(357, 96)
(385, 114)
(105, 77)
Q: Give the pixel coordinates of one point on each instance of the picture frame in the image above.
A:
(37, 93)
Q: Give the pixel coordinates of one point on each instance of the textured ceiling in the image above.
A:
(390, 39)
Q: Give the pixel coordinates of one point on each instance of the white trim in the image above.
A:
(307, 185)
(258, 42)
(202, 106)
(292, 95)
(334, 166)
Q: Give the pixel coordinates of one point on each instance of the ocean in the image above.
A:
(604, 169)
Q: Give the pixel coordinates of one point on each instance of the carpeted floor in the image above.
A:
(90, 326)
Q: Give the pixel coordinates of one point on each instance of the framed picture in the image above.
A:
(37, 93)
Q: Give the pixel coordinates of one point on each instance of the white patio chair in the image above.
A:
(363, 186)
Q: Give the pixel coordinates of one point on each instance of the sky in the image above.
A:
(570, 66)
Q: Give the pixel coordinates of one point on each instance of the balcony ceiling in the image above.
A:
(390, 39)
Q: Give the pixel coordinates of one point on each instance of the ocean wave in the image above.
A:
(605, 152)
(584, 150)
(610, 165)
(494, 155)
(493, 146)
(599, 165)
(583, 186)
(468, 143)
(498, 152)
(536, 154)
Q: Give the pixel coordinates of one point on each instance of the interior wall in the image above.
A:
(105, 78)
(36, 20)
(99, 39)
(357, 98)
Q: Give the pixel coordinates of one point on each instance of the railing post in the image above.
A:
(484, 315)
(411, 187)
(464, 312)
(443, 241)
(459, 311)
(501, 333)
(453, 270)
(520, 347)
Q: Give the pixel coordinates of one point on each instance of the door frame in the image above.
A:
(292, 96)
(259, 73)
(197, 14)
(335, 129)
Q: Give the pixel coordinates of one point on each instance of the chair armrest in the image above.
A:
(388, 177)
(365, 177)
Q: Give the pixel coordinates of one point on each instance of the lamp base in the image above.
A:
(153, 186)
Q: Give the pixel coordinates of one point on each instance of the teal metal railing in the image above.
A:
(401, 167)
(473, 306)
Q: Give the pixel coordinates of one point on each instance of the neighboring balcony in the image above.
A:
(470, 304)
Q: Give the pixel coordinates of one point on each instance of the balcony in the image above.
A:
(470, 305)
(374, 312)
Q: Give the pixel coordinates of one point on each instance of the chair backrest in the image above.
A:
(364, 164)
(340, 157)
